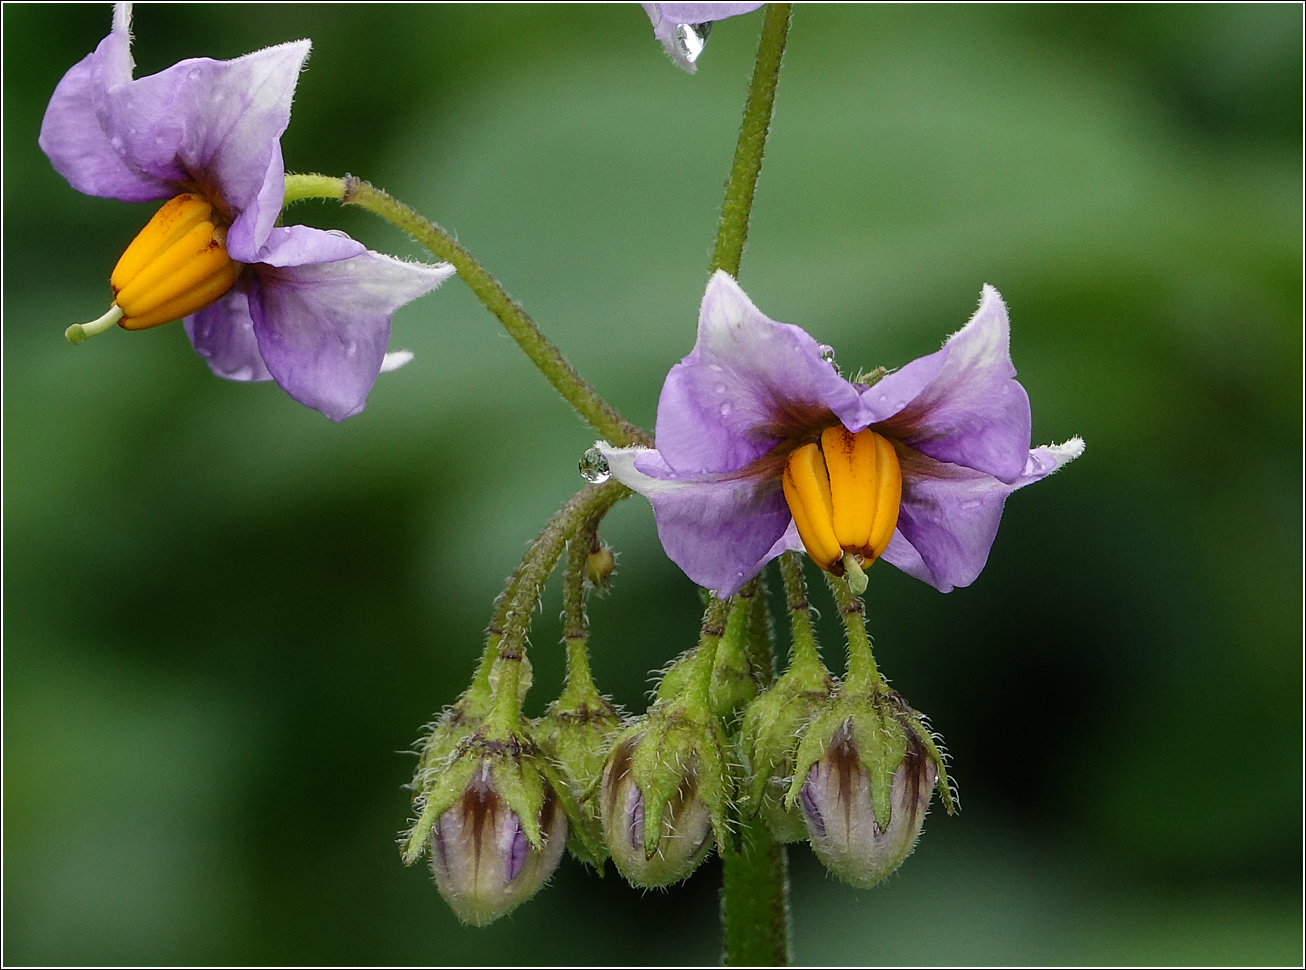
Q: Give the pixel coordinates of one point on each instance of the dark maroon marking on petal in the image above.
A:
(440, 852)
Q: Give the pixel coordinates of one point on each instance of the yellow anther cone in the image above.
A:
(178, 264)
(844, 495)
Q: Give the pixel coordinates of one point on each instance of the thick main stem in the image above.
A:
(589, 404)
(755, 899)
(755, 882)
(755, 872)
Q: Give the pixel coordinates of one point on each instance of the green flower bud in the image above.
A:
(575, 735)
(484, 863)
(600, 565)
(769, 737)
(491, 817)
(664, 794)
(864, 773)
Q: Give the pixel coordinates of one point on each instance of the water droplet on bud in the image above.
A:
(594, 467)
(691, 39)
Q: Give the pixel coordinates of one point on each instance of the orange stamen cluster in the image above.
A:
(844, 492)
(178, 264)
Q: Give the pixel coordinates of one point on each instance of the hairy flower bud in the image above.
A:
(483, 862)
(574, 734)
(653, 842)
(489, 811)
(841, 823)
(864, 773)
(600, 565)
(769, 740)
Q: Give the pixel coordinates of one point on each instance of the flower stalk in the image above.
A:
(863, 675)
(575, 390)
(732, 229)
(755, 880)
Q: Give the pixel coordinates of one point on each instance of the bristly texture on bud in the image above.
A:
(665, 785)
(841, 823)
(769, 738)
(574, 733)
(483, 861)
(657, 831)
(490, 812)
(865, 771)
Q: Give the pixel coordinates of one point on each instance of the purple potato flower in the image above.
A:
(753, 390)
(310, 309)
(683, 27)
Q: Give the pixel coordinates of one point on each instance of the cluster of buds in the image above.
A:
(850, 767)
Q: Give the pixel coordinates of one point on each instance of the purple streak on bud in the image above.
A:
(483, 864)
(685, 831)
(815, 824)
(840, 816)
(633, 812)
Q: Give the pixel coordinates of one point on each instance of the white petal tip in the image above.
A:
(395, 359)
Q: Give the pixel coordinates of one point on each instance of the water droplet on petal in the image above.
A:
(691, 39)
(969, 504)
(594, 467)
(827, 355)
(724, 408)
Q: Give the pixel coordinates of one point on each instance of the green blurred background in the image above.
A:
(224, 615)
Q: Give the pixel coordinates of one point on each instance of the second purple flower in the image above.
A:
(762, 446)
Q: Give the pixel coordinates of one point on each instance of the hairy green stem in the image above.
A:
(517, 602)
(755, 883)
(575, 624)
(805, 651)
(732, 229)
(589, 404)
(755, 873)
(862, 672)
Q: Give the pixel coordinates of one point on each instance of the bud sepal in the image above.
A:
(769, 739)
(665, 786)
(864, 774)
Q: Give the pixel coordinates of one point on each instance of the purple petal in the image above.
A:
(223, 334)
(216, 124)
(950, 513)
(719, 530)
(517, 847)
(301, 245)
(748, 383)
(322, 327)
(962, 404)
(201, 124)
(667, 17)
(73, 136)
